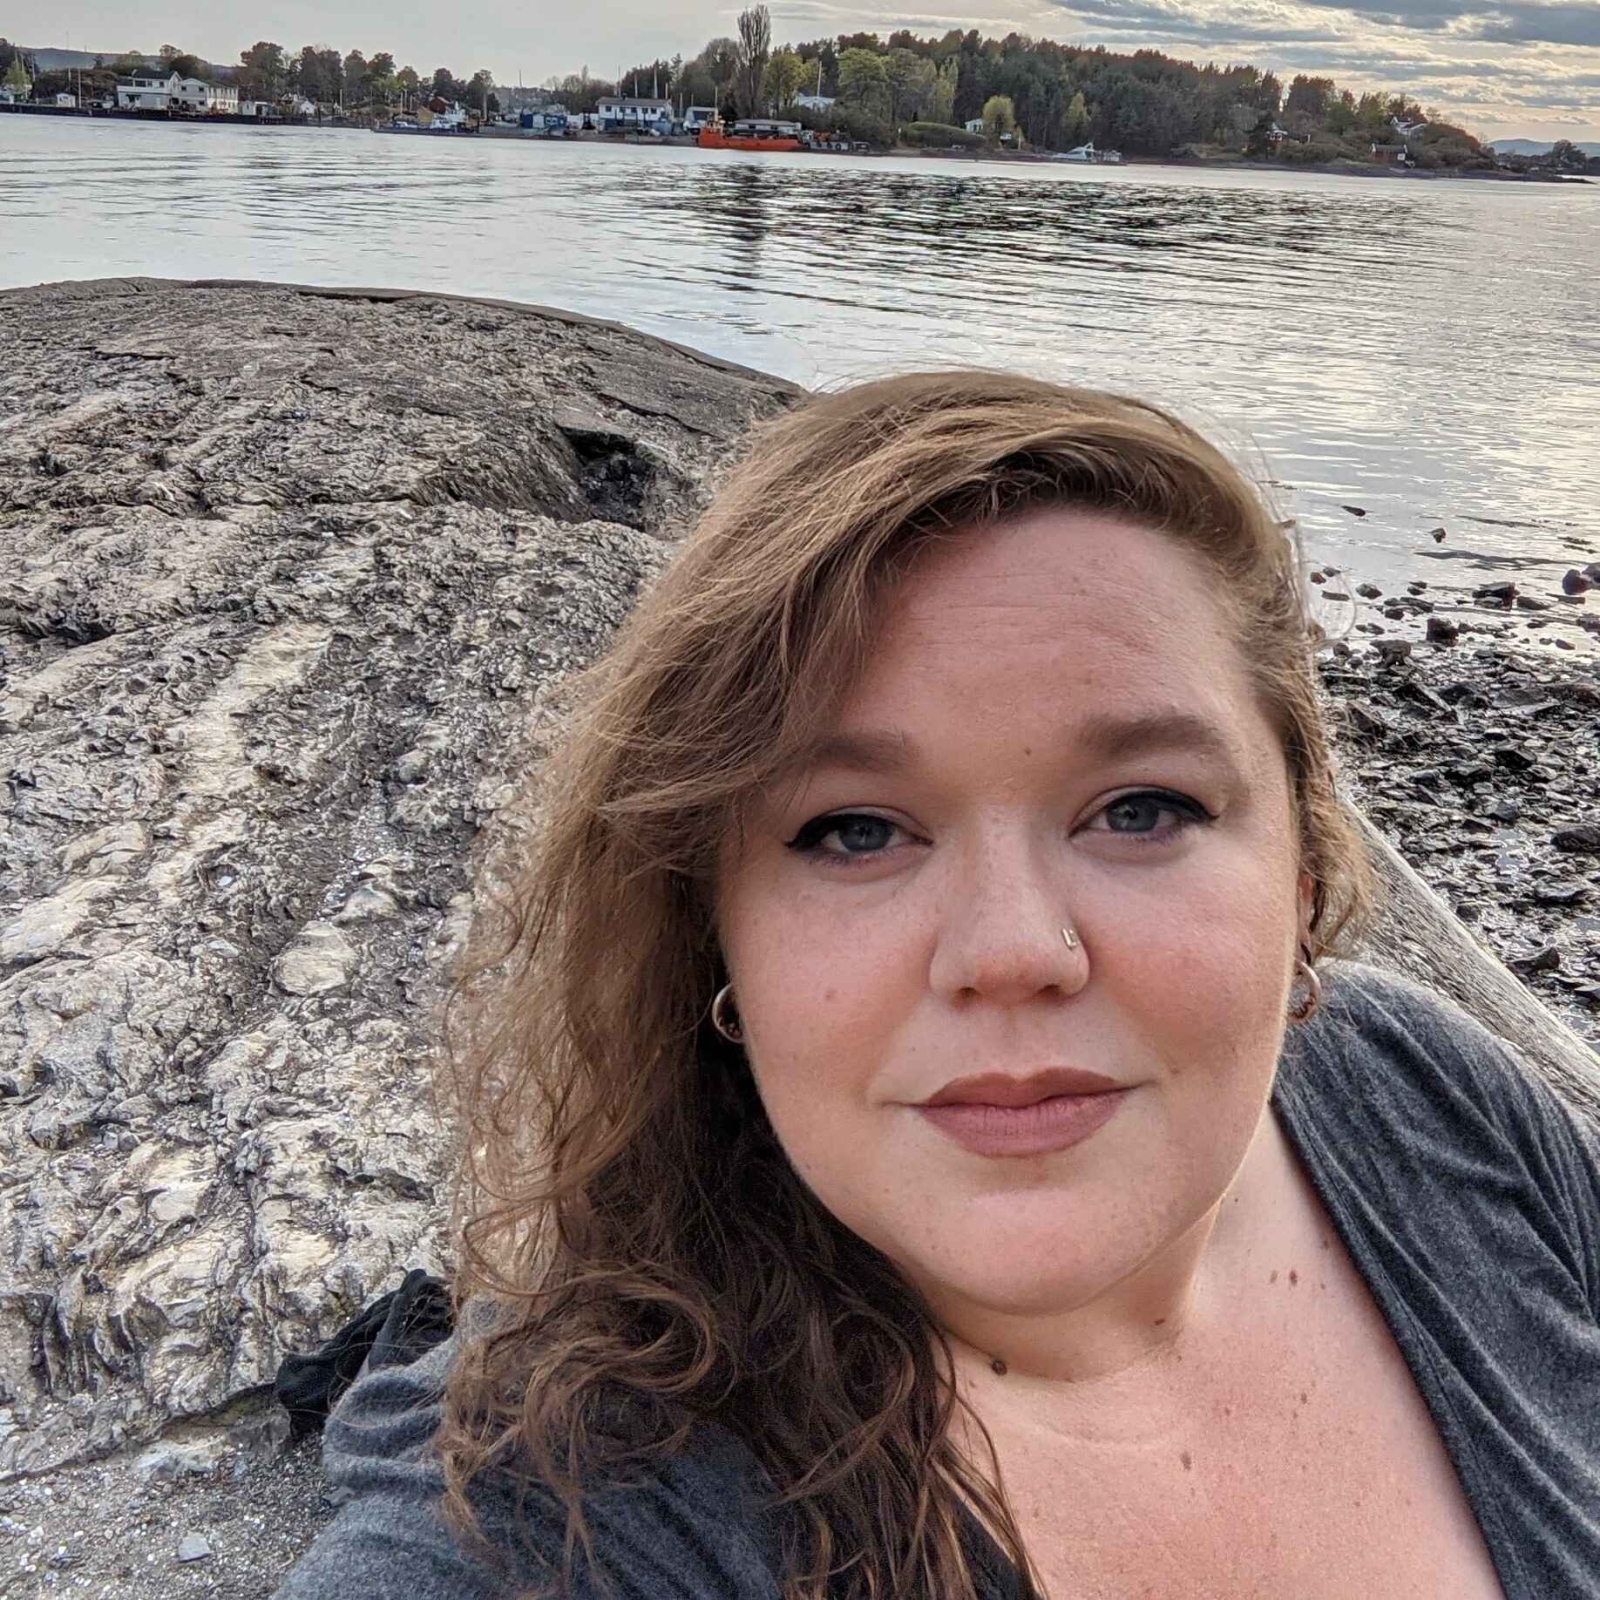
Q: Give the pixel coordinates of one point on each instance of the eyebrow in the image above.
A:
(1106, 735)
(1112, 736)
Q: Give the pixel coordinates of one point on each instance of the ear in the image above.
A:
(1307, 896)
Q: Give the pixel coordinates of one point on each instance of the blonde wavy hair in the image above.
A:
(626, 1209)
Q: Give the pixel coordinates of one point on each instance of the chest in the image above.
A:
(1302, 1461)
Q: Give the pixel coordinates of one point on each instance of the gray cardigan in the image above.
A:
(1467, 1195)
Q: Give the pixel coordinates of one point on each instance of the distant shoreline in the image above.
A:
(993, 157)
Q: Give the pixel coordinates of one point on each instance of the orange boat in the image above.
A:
(757, 133)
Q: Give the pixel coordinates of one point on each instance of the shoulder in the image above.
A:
(1420, 1106)
(691, 1530)
(1411, 1049)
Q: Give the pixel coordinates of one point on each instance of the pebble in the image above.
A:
(193, 1547)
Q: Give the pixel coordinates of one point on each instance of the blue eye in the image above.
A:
(856, 833)
(1144, 813)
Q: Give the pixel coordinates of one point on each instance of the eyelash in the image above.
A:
(808, 841)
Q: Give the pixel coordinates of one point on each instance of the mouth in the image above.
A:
(998, 1115)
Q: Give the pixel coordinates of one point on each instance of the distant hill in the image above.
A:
(60, 60)
(1534, 147)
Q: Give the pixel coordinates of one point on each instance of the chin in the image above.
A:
(1013, 1280)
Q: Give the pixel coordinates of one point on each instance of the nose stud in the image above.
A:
(1071, 937)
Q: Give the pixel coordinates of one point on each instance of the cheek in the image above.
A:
(1206, 956)
(823, 1005)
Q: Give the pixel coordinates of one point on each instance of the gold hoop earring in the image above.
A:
(724, 1018)
(1311, 1002)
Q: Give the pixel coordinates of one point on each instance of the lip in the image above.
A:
(995, 1114)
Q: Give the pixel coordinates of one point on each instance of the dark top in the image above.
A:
(1466, 1193)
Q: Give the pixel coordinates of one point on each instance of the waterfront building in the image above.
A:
(195, 94)
(697, 117)
(814, 102)
(622, 113)
(149, 91)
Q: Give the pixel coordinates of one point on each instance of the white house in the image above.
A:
(696, 117)
(195, 94)
(815, 102)
(974, 124)
(149, 91)
(624, 111)
(65, 100)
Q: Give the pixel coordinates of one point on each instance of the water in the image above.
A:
(1425, 351)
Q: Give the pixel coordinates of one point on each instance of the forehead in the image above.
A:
(1055, 612)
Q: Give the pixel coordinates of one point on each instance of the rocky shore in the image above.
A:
(295, 578)
(1481, 763)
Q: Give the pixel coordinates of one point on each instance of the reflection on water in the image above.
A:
(1425, 350)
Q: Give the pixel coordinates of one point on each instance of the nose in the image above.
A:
(1000, 935)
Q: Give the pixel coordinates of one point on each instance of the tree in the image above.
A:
(407, 83)
(263, 71)
(999, 117)
(308, 74)
(447, 86)
(942, 102)
(1075, 121)
(720, 59)
(331, 64)
(787, 75)
(910, 79)
(381, 84)
(182, 62)
(16, 78)
(480, 95)
(755, 46)
(128, 65)
(354, 68)
(863, 81)
(1310, 97)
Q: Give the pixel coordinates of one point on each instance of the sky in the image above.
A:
(1503, 68)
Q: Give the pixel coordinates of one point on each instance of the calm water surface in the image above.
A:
(1427, 351)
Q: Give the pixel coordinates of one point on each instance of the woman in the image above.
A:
(914, 1151)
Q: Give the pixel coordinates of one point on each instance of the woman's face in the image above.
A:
(1056, 730)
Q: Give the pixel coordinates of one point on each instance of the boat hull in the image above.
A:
(715, 139)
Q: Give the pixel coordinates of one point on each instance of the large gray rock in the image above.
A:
(291, 581)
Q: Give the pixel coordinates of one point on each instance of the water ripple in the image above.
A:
(1426, 350)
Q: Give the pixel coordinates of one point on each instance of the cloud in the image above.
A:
(1570, 22)
(1145, 17)
(1549, 24)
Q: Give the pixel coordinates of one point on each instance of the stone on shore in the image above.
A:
(293, 582)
